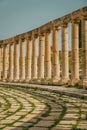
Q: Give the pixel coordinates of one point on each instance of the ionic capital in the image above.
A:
(65, 25)
(55, 27)
(42, 36)
(35, 36)
(22, 38)
(85, 18)
(76, 21)
(28, 36)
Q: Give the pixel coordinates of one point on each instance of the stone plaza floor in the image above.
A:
(40, 107)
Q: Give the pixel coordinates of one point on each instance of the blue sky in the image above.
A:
(19, 16)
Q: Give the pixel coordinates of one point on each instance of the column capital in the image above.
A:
(85, 18)
(42, 36)
(11, 43)
(34, 35)
(48, 30)
(0, 46)
(21, 38)
(5, 44)
(65, 25)
(28, 37)
(55, 27)
(76, 21)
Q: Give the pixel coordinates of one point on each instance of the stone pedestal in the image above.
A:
(75, 54)
(47, 56)
(34, 57)
(11, 62)
(65, 62)
(41, 56)
(22, 61)
(16, 61)
(83, 82)
(28, 60)
(5, 54)
(55, 61)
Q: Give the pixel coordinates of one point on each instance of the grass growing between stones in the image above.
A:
(52, 100)
(59, 118)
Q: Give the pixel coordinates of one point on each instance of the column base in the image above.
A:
(55, 81)
(10, 80)
(22, 80)
(4, 80)
(33, 81)
(72, 82)
(27, 80)
(83, 84)
(16, 80)
(46, 81)
(38, 81)
(63, 82)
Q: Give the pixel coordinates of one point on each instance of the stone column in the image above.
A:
(28, 59)
(5, 52)
(22, 60)
(11, 61)
(47, 56)
(34, 57)
(0, 61)
(75, 53)
(16, 61)
(56, 66)
(65, 63)
(41, 56)
(83, 82)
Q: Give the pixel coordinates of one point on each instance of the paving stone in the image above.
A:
(61, 128)
(67, 122)
(45, 123)
(49, 118)
(38, 128)
(82, 127)
(9, 128)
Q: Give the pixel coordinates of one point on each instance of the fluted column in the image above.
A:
(16, 61)
(41, 56)
(65, 63)
(22, 60)
(28, 59)
(56, 66)
(75, 53)
(47, 56)
(11, 61)
(0, 61)
(83, 82)
(34, 57)
(5, 61)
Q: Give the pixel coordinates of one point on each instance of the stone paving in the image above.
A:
(24, 108)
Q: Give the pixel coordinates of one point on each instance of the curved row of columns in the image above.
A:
(41, 67)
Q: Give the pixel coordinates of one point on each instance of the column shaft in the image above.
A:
(11, 62)
(41, 56)
(84, 45)
(0, 61)
(75, 52)
(28, 59)
(22, 61)
(5, 62)
(56, 66)
(34, 58)
(16, 61)
(47, 56)
(83, 82)
(65, 64)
